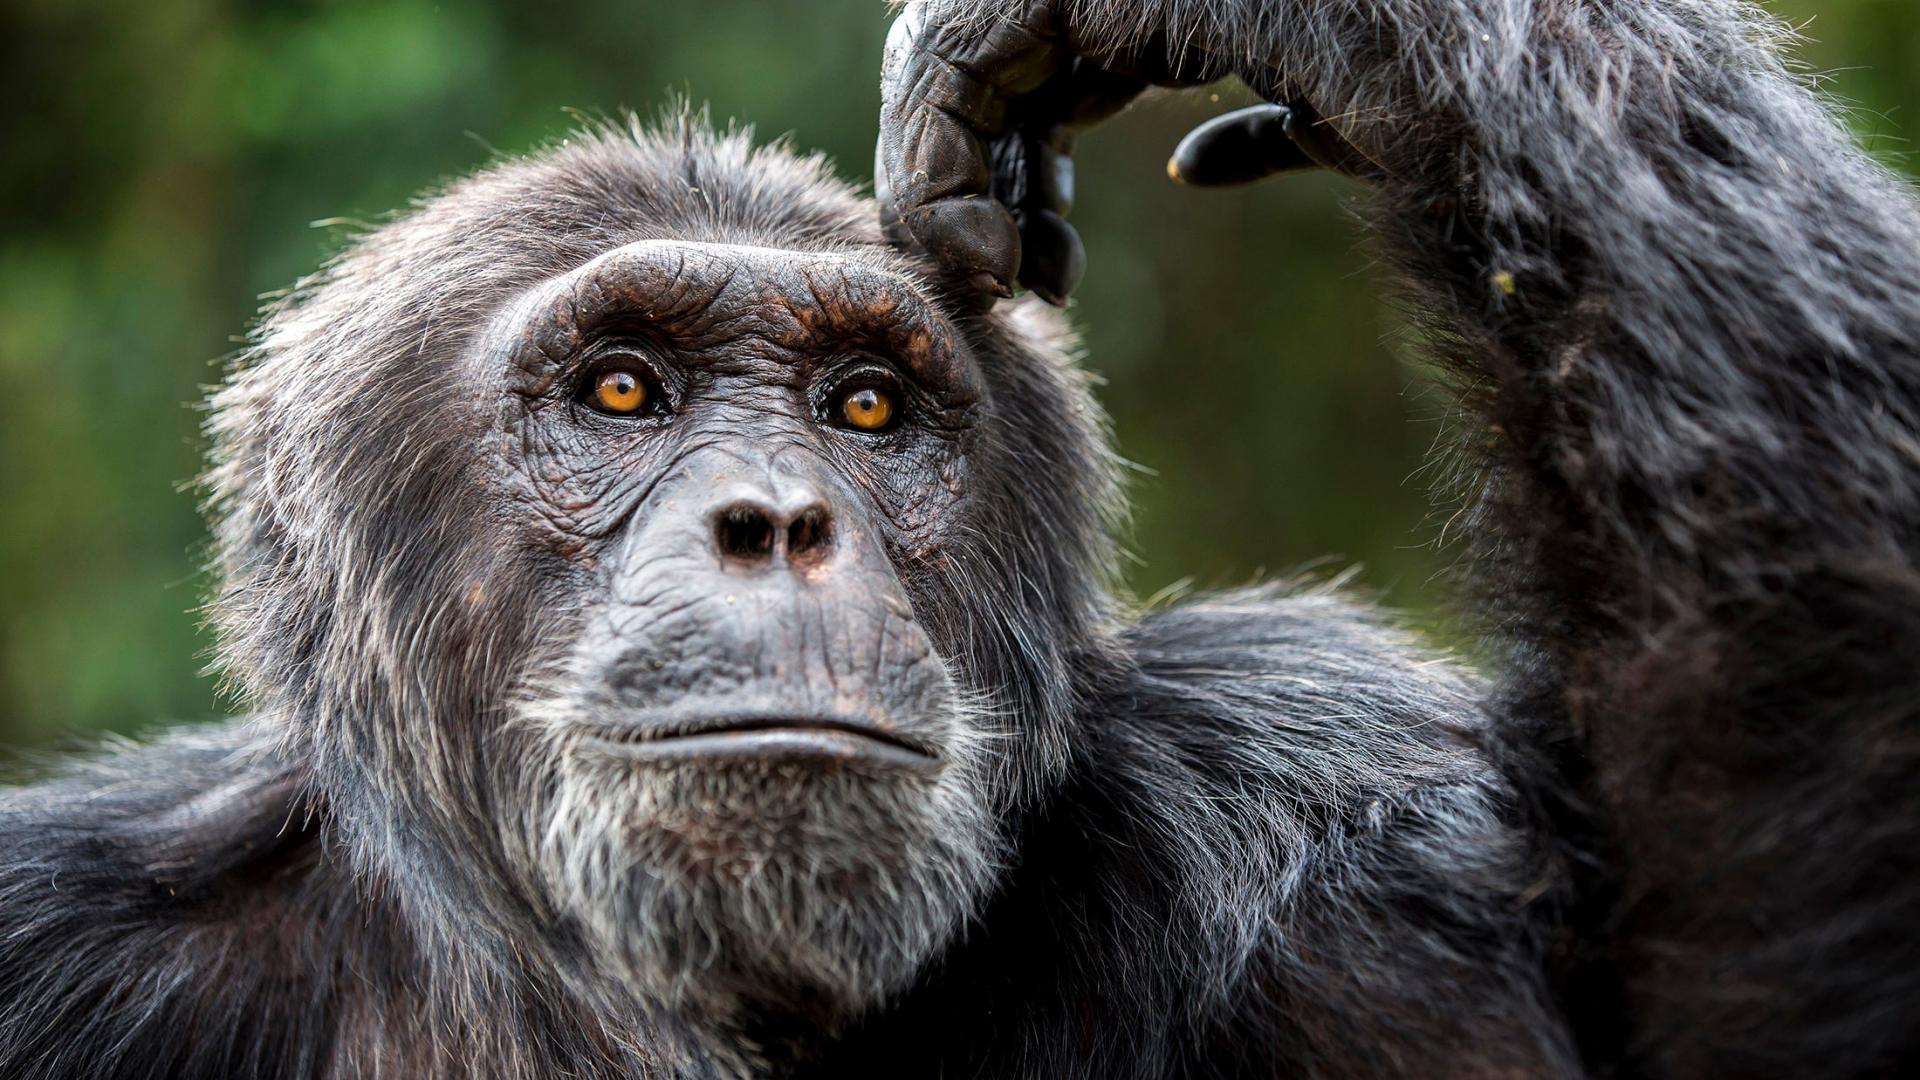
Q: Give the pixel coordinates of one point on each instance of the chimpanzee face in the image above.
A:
(668, 584)
(755, 773)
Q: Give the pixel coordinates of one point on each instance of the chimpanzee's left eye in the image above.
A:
(620, 392)
(867, 409)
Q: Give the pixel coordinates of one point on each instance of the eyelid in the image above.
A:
(869, 371)
(863, 374)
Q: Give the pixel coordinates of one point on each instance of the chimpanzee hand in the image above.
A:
(981, 101)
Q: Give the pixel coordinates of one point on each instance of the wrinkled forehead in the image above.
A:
(698, 296)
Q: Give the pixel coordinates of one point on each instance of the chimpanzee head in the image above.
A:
(666, 581)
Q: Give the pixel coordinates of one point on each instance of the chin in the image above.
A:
(808, 875)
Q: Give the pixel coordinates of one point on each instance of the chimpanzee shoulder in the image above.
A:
(167, 910)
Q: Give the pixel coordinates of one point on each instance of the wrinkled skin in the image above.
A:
(987, 100)
(718, 872)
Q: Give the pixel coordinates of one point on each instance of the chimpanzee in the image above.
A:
(677, 606)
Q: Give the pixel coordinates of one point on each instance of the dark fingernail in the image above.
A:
(1052, 258)
(993, 286)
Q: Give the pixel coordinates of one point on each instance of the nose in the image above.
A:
(753, 536)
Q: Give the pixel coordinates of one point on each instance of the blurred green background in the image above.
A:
(163, 164)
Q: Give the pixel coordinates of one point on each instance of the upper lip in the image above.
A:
(827, 737)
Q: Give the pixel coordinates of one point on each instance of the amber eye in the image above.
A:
(620, 392)
(868, 410)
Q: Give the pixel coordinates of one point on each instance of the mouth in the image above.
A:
(801, 740)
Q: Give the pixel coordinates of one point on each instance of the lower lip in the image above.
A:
(819, 746)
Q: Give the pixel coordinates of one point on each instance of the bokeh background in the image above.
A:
(165, 163)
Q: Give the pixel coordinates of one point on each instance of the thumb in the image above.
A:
(1261, 141)
(1239, 147)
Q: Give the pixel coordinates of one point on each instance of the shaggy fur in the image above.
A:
(1245, 835)
(1680, 301)
(1252, 826)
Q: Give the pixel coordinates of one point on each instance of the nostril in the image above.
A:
(744, 533)
(810, 535)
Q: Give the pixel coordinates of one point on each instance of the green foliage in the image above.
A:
(165, 162)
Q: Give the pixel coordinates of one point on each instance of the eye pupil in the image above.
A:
(868, 410)
(619, 392)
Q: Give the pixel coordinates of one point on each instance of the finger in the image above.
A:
(975, 237)
(1036, 181)
(945, 87)
(1052, 258)
(1088, 94)
(1049, 178)
(1033, 171)
(1238, 148)
(1029, 172)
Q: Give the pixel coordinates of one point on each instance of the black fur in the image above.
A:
(1243, 827)
(1247, 835)
(1178, 909)
(1680, 303)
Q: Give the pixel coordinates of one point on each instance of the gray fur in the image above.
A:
(450, 878)
(1248, 834)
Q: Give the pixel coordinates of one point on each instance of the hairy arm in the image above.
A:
(1356, 886)
(1685, 308)
(165, 911)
